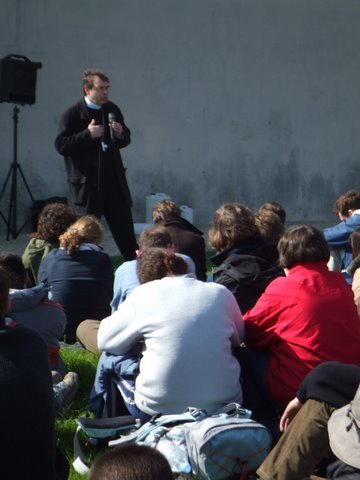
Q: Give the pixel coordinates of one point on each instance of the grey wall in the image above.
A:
(227, 100)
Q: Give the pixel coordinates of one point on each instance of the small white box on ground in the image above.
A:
(187, 213)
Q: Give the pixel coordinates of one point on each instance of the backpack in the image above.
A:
(220, 448)
(226, 445)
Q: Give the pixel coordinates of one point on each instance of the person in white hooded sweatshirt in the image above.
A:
(185, 329)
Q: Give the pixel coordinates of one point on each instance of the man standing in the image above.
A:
(91, 132)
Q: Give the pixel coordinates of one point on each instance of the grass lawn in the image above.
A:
(84, 363)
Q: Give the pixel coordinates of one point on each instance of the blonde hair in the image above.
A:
(233, 223)
(87, 229)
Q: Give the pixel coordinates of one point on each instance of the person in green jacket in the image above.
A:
(54, 219)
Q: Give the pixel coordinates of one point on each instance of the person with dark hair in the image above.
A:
(274, 207)
(185, 329)
(301, 245)
(159, 264)
(347, 209)
(131, 462)
(301, 320)
(79, 274)
(246, 262)
(54, 219)
(91, 134)
(27, 415)
(187, 239)
(126, 279)
(32, 308)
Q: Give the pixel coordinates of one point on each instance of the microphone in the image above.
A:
(111, 117)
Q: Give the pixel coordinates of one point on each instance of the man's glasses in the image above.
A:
(102, 89)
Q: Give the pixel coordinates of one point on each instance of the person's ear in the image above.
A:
(137, 253)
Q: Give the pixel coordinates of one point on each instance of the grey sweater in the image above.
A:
(188, 328)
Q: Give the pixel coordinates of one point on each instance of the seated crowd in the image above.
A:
(275, 327)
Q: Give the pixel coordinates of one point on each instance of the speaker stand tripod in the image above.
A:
(12, 176)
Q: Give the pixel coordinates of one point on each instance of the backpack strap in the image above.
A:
(190, 415)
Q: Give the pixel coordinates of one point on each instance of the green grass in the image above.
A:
(84, 364)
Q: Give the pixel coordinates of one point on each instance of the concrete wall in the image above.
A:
(227, 100)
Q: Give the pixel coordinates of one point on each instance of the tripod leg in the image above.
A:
(5, 183)
(26, 185)
(31, 197)
(14, 168)
(8, 220)
(13, 204)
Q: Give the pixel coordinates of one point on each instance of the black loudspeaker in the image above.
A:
(18, 79)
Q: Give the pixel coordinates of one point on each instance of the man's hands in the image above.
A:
(117, 127)
(96, 131)
(289, 413)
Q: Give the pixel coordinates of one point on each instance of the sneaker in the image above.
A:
(65, 391)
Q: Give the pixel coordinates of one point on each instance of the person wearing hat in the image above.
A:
(321, 428)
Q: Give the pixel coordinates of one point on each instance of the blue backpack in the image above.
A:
(219, 447)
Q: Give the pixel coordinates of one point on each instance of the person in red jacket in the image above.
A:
(300, 321)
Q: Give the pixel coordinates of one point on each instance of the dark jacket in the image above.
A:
(27, 415)
(89, 168)
(246, 270)
(190, 241)
(81, 282)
